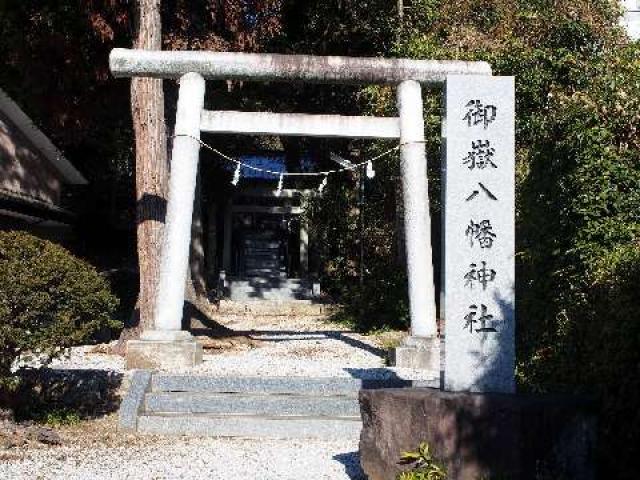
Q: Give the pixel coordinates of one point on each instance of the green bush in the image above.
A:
(376, 304)
(49, 299)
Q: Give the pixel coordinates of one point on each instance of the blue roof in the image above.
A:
(275, 163)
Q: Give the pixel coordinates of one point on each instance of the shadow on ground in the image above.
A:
(84, 392)
(219, 331)
(351, 463)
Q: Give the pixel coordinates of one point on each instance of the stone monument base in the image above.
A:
(159, 350)
(417, 352)
(479, 435)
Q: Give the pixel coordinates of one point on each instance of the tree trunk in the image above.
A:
(147, 109)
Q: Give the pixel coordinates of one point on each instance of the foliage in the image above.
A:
(49, 300)
(378, 299)
(55, 66)
(425, 467)
(578, 191)
(58, 418)
(331, 27)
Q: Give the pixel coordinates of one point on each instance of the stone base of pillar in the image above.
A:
(160, 350)
(418, 352)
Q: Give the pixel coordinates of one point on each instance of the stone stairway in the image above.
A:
(263, 258)
(269, 288)
(263, 273)
(248, 407)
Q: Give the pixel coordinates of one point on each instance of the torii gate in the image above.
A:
(167, 343)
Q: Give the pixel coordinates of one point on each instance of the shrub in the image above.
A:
(377, 305)
(49, 300)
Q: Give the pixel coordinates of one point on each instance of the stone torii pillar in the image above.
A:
(421, 350)
(168, 345)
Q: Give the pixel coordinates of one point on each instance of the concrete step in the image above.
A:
(255, 404)
(251, 426)
(347, 387)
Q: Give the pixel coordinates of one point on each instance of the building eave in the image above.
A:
(18, 198)
(40, 141)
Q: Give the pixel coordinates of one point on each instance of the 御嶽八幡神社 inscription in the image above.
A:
(478, 302)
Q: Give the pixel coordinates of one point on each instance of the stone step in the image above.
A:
(264, 289)
(249, 297)
(273, 284)
(251, 426)
(266, 272)
(262, 244)
(263, 235)
(348, 387)
(272, 288)
(270, 282)
(263, 253)
(255, 404)
(279, 267)
(253, 407)
(251, 262)
(252, 294)
(275, 308)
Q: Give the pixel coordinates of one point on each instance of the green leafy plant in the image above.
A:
(424, 465)
(58, 418)
(49, 301)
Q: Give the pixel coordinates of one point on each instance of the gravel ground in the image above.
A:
(303, 346)
(295, 346)
(86, 358)
(106, 455)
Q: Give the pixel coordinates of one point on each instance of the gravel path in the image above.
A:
(295, 346)
(301, 346)
(189, 458)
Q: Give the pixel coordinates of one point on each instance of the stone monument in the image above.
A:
(478, 234)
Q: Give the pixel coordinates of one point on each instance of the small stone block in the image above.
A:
(133, 400)
(163, 355)
(418, 353)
